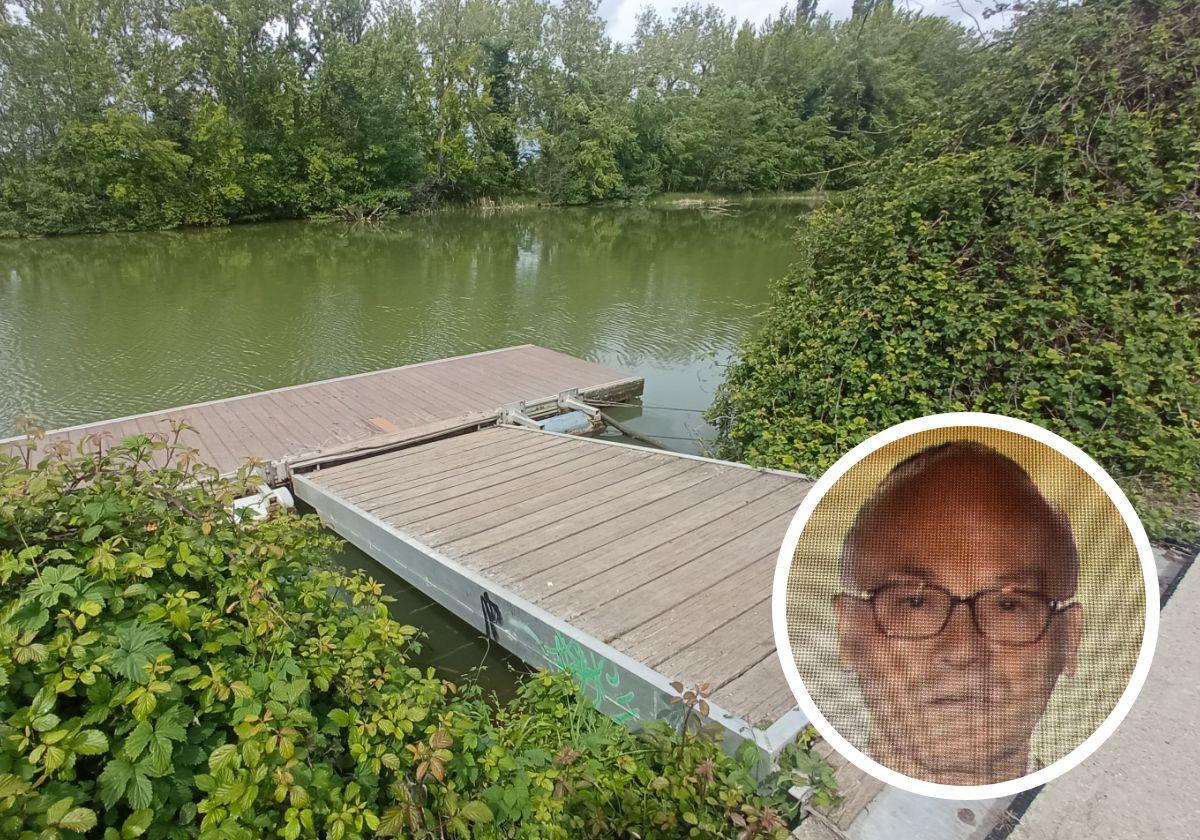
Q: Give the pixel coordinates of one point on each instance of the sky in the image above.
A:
(622, 14)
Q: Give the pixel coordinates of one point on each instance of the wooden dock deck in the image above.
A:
(628, 566)
(368, 410)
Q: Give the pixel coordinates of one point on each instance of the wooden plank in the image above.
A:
(379, 445)
(461, 384)
(247, 442)
(470, 383)
(481, 487)
(523, 492)
(426, 388)
(664, 591)
(572, 568)
(382, 424)
(675, 629)
(379, 464)
(530, 464)
(214, 446)
(470, 467)
(762, 694)
(668, 558)
(335, 413)
(382, 395)
(711, 540)
(319, 423)
(283, 426)
(351, 405)
(609, 537)
(442, 456)
(304, 427)
(557, 521)
(726, 652)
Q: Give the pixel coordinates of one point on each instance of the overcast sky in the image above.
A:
(621, 14)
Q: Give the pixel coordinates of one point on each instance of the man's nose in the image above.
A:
(961, 645)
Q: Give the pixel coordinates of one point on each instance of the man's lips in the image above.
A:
(956, 698)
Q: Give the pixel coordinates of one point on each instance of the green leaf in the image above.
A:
(78, 819)
(140, 792)
(13, 785)
(137, 823)
(139, 645)
(159, 756)
(113, 780)
(169, 724)
(44, 723)
(90, 742)
(107, 506)
(393, 822)
(476, 811)
(223, 756)
(185, 673)
(56, 811)
(138, 740)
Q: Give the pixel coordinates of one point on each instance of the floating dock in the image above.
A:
(629, 567)
(367, 412)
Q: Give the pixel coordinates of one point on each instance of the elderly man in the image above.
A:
(955, 619)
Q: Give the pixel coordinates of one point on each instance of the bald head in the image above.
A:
(964, 505)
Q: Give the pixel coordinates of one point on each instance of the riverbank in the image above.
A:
(363, 215)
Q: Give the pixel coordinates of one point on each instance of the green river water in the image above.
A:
(94, 327)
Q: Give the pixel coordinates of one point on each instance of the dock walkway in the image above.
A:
(366, 411)
(631, 567)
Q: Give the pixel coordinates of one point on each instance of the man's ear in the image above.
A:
(855, 624)
(1071, 627)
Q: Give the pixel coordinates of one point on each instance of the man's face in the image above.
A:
(958, 708)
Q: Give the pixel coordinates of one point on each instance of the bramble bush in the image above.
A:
(171, 670)
(1033, 253)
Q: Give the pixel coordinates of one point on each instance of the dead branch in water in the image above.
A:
(354, 213)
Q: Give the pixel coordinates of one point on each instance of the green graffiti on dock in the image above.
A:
(599, 678)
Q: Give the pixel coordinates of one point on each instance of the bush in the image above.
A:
(112, 174)
(170, 670)
(1034, 255)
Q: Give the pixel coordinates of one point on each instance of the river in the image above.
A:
(94, 327)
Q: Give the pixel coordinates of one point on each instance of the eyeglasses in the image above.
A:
(922, 610)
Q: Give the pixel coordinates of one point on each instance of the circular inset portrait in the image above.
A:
(965, 605)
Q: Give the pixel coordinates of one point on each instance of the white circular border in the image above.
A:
(784, 646)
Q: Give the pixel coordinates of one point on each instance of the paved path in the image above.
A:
(1145, 781)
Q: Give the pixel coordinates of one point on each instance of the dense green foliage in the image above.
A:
(171, 670)
(1035, 253)
(124, 114)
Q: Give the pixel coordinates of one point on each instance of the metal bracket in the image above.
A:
(570, 400)
(513, 414)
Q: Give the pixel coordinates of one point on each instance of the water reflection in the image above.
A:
(93, 327)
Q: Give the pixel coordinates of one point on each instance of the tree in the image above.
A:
(1033, 253)
(285, 108)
